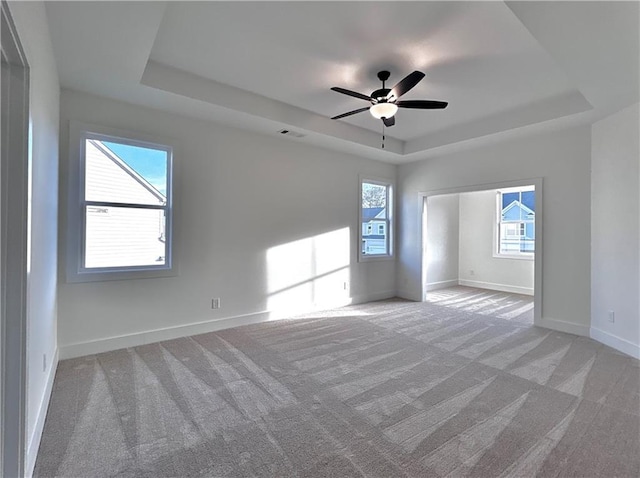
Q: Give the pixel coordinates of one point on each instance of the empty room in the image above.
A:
(313, 239)
(480, 251)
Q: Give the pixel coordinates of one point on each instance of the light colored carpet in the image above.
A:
(504, 305)
(386, 389)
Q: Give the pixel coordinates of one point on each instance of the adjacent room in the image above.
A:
(313, 239)
(479, 251)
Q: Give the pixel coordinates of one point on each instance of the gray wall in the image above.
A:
(615, 231)
(562, 159)
(442, 241)
(31, 23)
(267, 224)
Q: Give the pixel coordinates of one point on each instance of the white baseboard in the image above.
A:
(361, 299)
(563, 326)
(409, 295)
(442, 284)
(500, 287)
(615, 342)
(81, 349)
(108, 344)
(34, 440)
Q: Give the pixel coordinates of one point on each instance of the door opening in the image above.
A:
(482, 249)
(13, 246)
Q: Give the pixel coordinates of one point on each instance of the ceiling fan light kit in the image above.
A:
(384, 102)
(383, 110)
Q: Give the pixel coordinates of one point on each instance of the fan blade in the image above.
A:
(351, 93)
(389, 121)
(422, 104)
(351, 113)
(408, 82)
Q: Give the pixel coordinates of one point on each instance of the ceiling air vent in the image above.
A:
(288, 132)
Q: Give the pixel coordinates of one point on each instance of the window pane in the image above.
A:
(529, 199)
(528, 238)
(509, 238)
(517, 237)
(374, 237)
(116, 172)
(508, 198)
(124, 237)
(374, 201)
(516, 230)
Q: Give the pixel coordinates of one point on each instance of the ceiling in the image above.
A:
(505, 68)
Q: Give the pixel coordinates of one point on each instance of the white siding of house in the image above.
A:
(124, 237)
(374, 246)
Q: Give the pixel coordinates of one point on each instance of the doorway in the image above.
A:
(13, 246)
(482, 249)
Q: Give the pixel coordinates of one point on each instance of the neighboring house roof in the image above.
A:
(517, 204)
(128, 169)
(369, 213)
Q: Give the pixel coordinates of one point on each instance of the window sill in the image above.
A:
(518, 257)
(375, 258)
(103, 276)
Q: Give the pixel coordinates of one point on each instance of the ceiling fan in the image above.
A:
(384, 102)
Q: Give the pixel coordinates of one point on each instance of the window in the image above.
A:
(375, 218)
(516, 222)
(123, 204)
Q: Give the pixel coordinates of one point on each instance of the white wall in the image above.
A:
(265, 223)
(615, 230)
(442, 241)
(562, 159)
(31, 23)
(477, 247)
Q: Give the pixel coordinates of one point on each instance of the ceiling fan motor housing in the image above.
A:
(380, 96)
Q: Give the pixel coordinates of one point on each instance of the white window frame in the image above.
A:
(527, 256)
(389, 221)
(76, 203)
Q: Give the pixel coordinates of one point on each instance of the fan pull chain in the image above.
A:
(383, 135)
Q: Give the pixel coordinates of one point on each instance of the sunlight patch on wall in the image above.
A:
(309, 273)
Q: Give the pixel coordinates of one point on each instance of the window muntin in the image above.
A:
(375, 217)
(516, 222)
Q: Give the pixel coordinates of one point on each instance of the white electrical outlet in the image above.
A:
(612, 316)
(44, 362)
(345, 286)
(215, 303)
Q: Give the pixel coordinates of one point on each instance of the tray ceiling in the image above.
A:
(262, 65)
